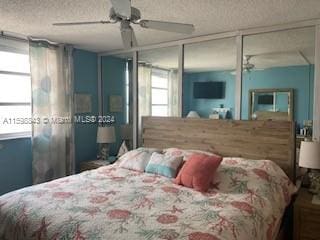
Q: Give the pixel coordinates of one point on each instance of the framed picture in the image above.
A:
(115, 103)
(82, 103)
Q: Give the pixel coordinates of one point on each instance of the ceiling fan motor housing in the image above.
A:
(135, 15)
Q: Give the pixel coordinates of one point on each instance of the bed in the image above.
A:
(246, 201)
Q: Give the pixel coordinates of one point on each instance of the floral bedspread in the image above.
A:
(246, 201)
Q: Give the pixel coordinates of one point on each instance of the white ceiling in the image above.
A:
(35, 18)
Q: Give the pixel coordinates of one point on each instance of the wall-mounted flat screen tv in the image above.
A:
(209, 90)
(265, 99)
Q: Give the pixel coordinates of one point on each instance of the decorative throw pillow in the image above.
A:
(136, 159)
(123, 149)
(185, 153)
(164, 165)
(198, 171)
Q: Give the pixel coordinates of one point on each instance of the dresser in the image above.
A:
(306, 217)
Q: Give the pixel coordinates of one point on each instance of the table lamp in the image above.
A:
(105, 136)
(193, 114)
(309, 158)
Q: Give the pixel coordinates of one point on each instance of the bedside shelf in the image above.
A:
(221, 110)
(94, 164)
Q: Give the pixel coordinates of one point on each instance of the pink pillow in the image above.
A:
(198, 171)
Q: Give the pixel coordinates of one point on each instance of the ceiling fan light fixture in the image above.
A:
(122, 11)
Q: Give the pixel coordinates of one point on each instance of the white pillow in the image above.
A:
(150, 150)
(136, 159)
(185, 153)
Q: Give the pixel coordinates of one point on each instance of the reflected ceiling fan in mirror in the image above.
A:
(247, 65)
(122, 11)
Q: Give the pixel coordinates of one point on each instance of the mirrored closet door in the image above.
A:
(158, 83)
(116, 76)
(278, 76)
(209, 79)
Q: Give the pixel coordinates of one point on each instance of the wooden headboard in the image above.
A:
(273, 140)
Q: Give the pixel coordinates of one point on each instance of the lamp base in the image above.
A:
(314, 182)
(103, 151)
(311, 181)
(305, 180)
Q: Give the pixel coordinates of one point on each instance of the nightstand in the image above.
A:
(306, 217)
(84, 166)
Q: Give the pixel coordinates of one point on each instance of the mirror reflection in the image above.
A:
(209, 79)
(158, 84)
(275, 61)
(116, 74)
(271, 104)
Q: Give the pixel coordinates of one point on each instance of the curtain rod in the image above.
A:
(44, 40)
(5, 35)
(10, 36)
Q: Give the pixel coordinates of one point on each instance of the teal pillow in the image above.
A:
(164, 165)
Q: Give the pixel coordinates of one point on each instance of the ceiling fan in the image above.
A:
(121, 11)
(247, 66)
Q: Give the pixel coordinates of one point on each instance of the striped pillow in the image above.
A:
(164, 165)
(136, 159)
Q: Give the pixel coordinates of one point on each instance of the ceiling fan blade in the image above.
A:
(122, 7)
(80, 23)
(134, 39)
(167, 26)
(128, 36)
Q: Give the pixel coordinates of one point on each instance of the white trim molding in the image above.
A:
(238, 93)
(316, 95)
(100, 90)
(180, 79)
(135, 109)
(9, 136)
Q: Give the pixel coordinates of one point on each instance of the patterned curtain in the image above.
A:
(173, 93)
(52, 103)
(144, 91)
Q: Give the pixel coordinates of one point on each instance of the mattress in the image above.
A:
(246, 201)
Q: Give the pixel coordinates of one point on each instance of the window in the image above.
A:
(15, 94)
(159, 92)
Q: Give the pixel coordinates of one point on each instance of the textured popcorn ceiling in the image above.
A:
(35, 18)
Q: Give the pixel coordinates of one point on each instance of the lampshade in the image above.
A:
(106, 135)
(310, 155)
(193, 114)
(126, 132)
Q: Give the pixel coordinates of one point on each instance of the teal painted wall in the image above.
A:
(15, 164)
(204, 106)
(113, 82)
(300, 78)
(16, 154)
